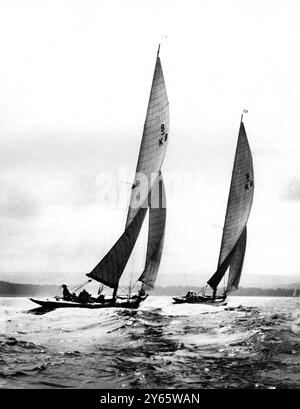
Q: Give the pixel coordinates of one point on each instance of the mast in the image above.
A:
(233, 244)
(151, 155)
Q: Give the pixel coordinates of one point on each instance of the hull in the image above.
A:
(53, 304)
(200, 300)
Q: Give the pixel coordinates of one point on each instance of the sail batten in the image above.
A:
(239, 204)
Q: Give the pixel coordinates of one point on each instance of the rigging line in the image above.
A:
(76, 288)
(79, 246)
(125, 183)
(58, 291)
(133, 265)
(124, 290)
(131, 273)
(132, 287)
(134, 248)
(66, 233)
(162, 39)
(219, 227)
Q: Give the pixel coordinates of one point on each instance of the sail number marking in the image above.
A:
(249, 182)
(164, 135)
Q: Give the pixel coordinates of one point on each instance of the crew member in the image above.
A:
(84, 297)
(66, 293)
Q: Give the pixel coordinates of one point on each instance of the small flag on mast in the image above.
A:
(245, 111)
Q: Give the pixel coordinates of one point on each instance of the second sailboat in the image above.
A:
(233, 245)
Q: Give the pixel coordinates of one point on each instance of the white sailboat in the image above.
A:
(233, 245)
(147, 193)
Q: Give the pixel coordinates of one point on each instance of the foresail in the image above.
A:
(156, 232)
(236, 262)
(214, 281)
(154, 142)
(111, 267)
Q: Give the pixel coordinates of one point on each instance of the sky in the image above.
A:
(75, 78)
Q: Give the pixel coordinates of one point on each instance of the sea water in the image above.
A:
(253, 342)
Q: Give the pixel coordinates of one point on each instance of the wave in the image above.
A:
(159, 345)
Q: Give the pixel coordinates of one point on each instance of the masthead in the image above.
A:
(158, 49)
(245, 111)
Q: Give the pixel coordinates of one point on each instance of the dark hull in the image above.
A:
(200, 300)
(48, 304)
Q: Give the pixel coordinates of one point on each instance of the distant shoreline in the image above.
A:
(153, 295)
(8, 289)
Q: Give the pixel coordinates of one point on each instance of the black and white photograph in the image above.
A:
(149, 197)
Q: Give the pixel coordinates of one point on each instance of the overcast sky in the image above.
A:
(75, 78)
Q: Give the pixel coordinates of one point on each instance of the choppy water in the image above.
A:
(253, 342)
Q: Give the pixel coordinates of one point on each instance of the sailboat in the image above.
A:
(295, 293)
(233, 244)
(147, 192)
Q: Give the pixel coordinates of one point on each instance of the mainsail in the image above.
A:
(239, 204)
(156, 233)
(152, 151)
(154, 142)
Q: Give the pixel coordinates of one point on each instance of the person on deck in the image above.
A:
(142, 293)
(67, 296)
(84, 297)
(74, 297)
(100, 298)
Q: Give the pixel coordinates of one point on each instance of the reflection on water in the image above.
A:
(250, 343)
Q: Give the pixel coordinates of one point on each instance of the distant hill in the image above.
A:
(28, 290)
(243, 291)
(166, 277)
